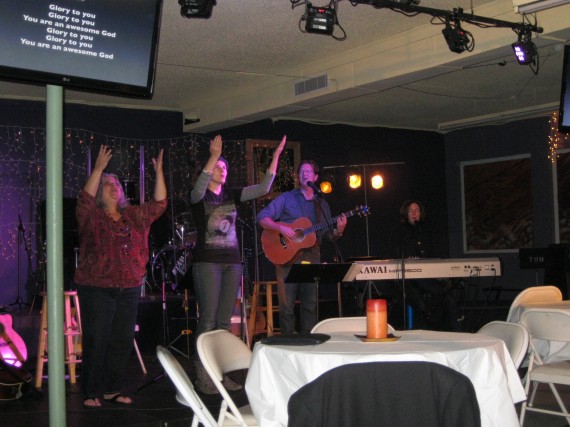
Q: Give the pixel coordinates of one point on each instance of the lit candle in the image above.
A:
(376, 318)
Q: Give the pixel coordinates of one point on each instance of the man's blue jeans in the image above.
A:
(288, 293)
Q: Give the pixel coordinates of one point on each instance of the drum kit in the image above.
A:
(171, 265)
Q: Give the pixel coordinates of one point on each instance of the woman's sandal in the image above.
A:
(92, 402)
(115, 400)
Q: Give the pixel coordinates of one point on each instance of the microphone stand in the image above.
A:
(164, 332)
(40, 275)
(165, 336)
(185, 332)
(244, 332)
(339, 260)
(40, 278)
(404, 307)
(21, 237)
(173, 229)
(330, 225)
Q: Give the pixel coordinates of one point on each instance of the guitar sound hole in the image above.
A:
(282, 241)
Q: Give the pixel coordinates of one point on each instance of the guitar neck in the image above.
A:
(325, 224)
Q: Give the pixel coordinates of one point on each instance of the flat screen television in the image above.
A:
(102, 46)
(564, 111)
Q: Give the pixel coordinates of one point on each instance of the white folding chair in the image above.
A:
(550, 325)
(343, 324)
(222, 352)
(185, 390)
(535, 294)
(515, 336)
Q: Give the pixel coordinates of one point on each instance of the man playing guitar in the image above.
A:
(299, 203)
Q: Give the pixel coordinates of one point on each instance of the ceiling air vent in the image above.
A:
(311, 85)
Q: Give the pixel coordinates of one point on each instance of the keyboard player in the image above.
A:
(433, 306)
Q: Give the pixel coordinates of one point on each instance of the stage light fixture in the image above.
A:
(320, 20)
(196, 8)
(354, 180)
(327, 183)
(524, 49)
(326, 187)
(377, 181)
(458, 40)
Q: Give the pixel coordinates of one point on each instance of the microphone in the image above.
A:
(315, 188)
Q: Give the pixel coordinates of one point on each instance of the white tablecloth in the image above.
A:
(550, 351)
(276, 372)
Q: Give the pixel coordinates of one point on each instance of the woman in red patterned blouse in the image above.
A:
(113, 239)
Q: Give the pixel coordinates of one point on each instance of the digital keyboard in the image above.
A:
(426, 268)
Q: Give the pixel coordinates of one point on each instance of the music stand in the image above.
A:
(317, 273)
(369, 284)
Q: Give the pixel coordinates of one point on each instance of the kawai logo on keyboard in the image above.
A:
(383, 269)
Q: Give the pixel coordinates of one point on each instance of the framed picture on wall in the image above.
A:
(497, 204)
(259, 155)
(562, 181)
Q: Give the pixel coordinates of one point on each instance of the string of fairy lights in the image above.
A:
(23, 170)
(23, 167)
(556, 140)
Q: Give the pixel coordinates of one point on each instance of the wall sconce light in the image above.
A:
(376, 181)
(354, 180)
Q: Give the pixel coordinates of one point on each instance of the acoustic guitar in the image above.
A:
(281, 251)
(12, 347)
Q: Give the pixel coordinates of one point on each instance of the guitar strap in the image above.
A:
(303, 206)
(318, 208)
(320, 213)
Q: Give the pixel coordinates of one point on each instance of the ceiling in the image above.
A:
(243, 64)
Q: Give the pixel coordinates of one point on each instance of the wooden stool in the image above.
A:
(71, 332)
(262, 289)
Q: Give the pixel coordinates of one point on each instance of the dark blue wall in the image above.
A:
(490, 142)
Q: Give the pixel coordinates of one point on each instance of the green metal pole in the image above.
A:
(54, 247)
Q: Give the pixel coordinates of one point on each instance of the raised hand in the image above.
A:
(215, 153)
(280, 147)
(160, 184)
(157, 162)
(278, 150)
(92, 184)
(216, 147)
(103, 158)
